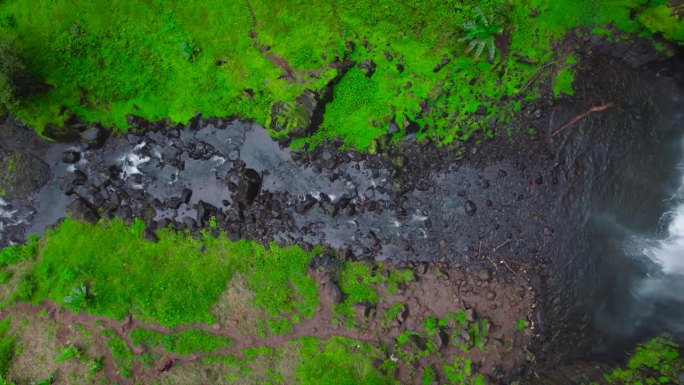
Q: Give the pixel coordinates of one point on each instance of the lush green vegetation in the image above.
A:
(7, 347)
(186, 342)
(104, 269)
(364, 283)
(10, 66)
(447, 66)
(657, 361)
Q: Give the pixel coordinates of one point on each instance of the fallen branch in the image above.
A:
(493, 263)
(582, 116)
(502, 244)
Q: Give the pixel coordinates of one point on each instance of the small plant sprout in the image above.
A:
(80, 297)
(480, 34)
(521, 324)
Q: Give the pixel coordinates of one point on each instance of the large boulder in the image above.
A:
(82, 210)
(248, 187)
(63, 133)
(21, 173)
(94, 136)
(296, 120)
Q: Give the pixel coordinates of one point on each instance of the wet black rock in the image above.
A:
(71, 157)
(63, 133)
(200, 150)
(204, 212)
(150, 235)
(470, 207)
(186, 194)
(94, 137)
(440, 339)
(125, 213)
(80, 178)
(305, 205)
(174, 203)
(82, 210)
(21, 173)
(194, 123)
(248, 187)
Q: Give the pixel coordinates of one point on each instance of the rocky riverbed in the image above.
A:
(521, 202)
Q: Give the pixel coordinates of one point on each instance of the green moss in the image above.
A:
(14, 254)
(657, 361)
(110, 263)
(563, 82)
(461, 372)
(186, 342)
(68, 353)
(340, 361)
(662, 19)
(178, 58)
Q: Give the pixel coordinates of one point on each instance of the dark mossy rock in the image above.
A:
(64, 133)
(94, 136)
(296, 120)
(82, 210)
(248, 187)
(21, 173)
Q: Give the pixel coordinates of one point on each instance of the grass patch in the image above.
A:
(123, 357)
(185, 342)
(7, 347)
(104, 269)
(341, 361)
(363, 283)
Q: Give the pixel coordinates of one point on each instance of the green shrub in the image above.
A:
(657, 361)
(7, 347)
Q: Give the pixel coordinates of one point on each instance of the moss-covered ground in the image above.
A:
(104, 60)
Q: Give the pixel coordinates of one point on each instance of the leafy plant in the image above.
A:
(461, 372)
(521, 324)
(189, 50)
(68, 353)
(95, 365)
(79, 298)
(480, 33)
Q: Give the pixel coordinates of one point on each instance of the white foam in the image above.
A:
(130, 163)
(418, 217)
(669, 253)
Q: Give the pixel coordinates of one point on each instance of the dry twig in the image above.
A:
(582, 116)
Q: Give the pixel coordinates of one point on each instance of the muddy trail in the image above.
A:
(518, 202)
(437, 290)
